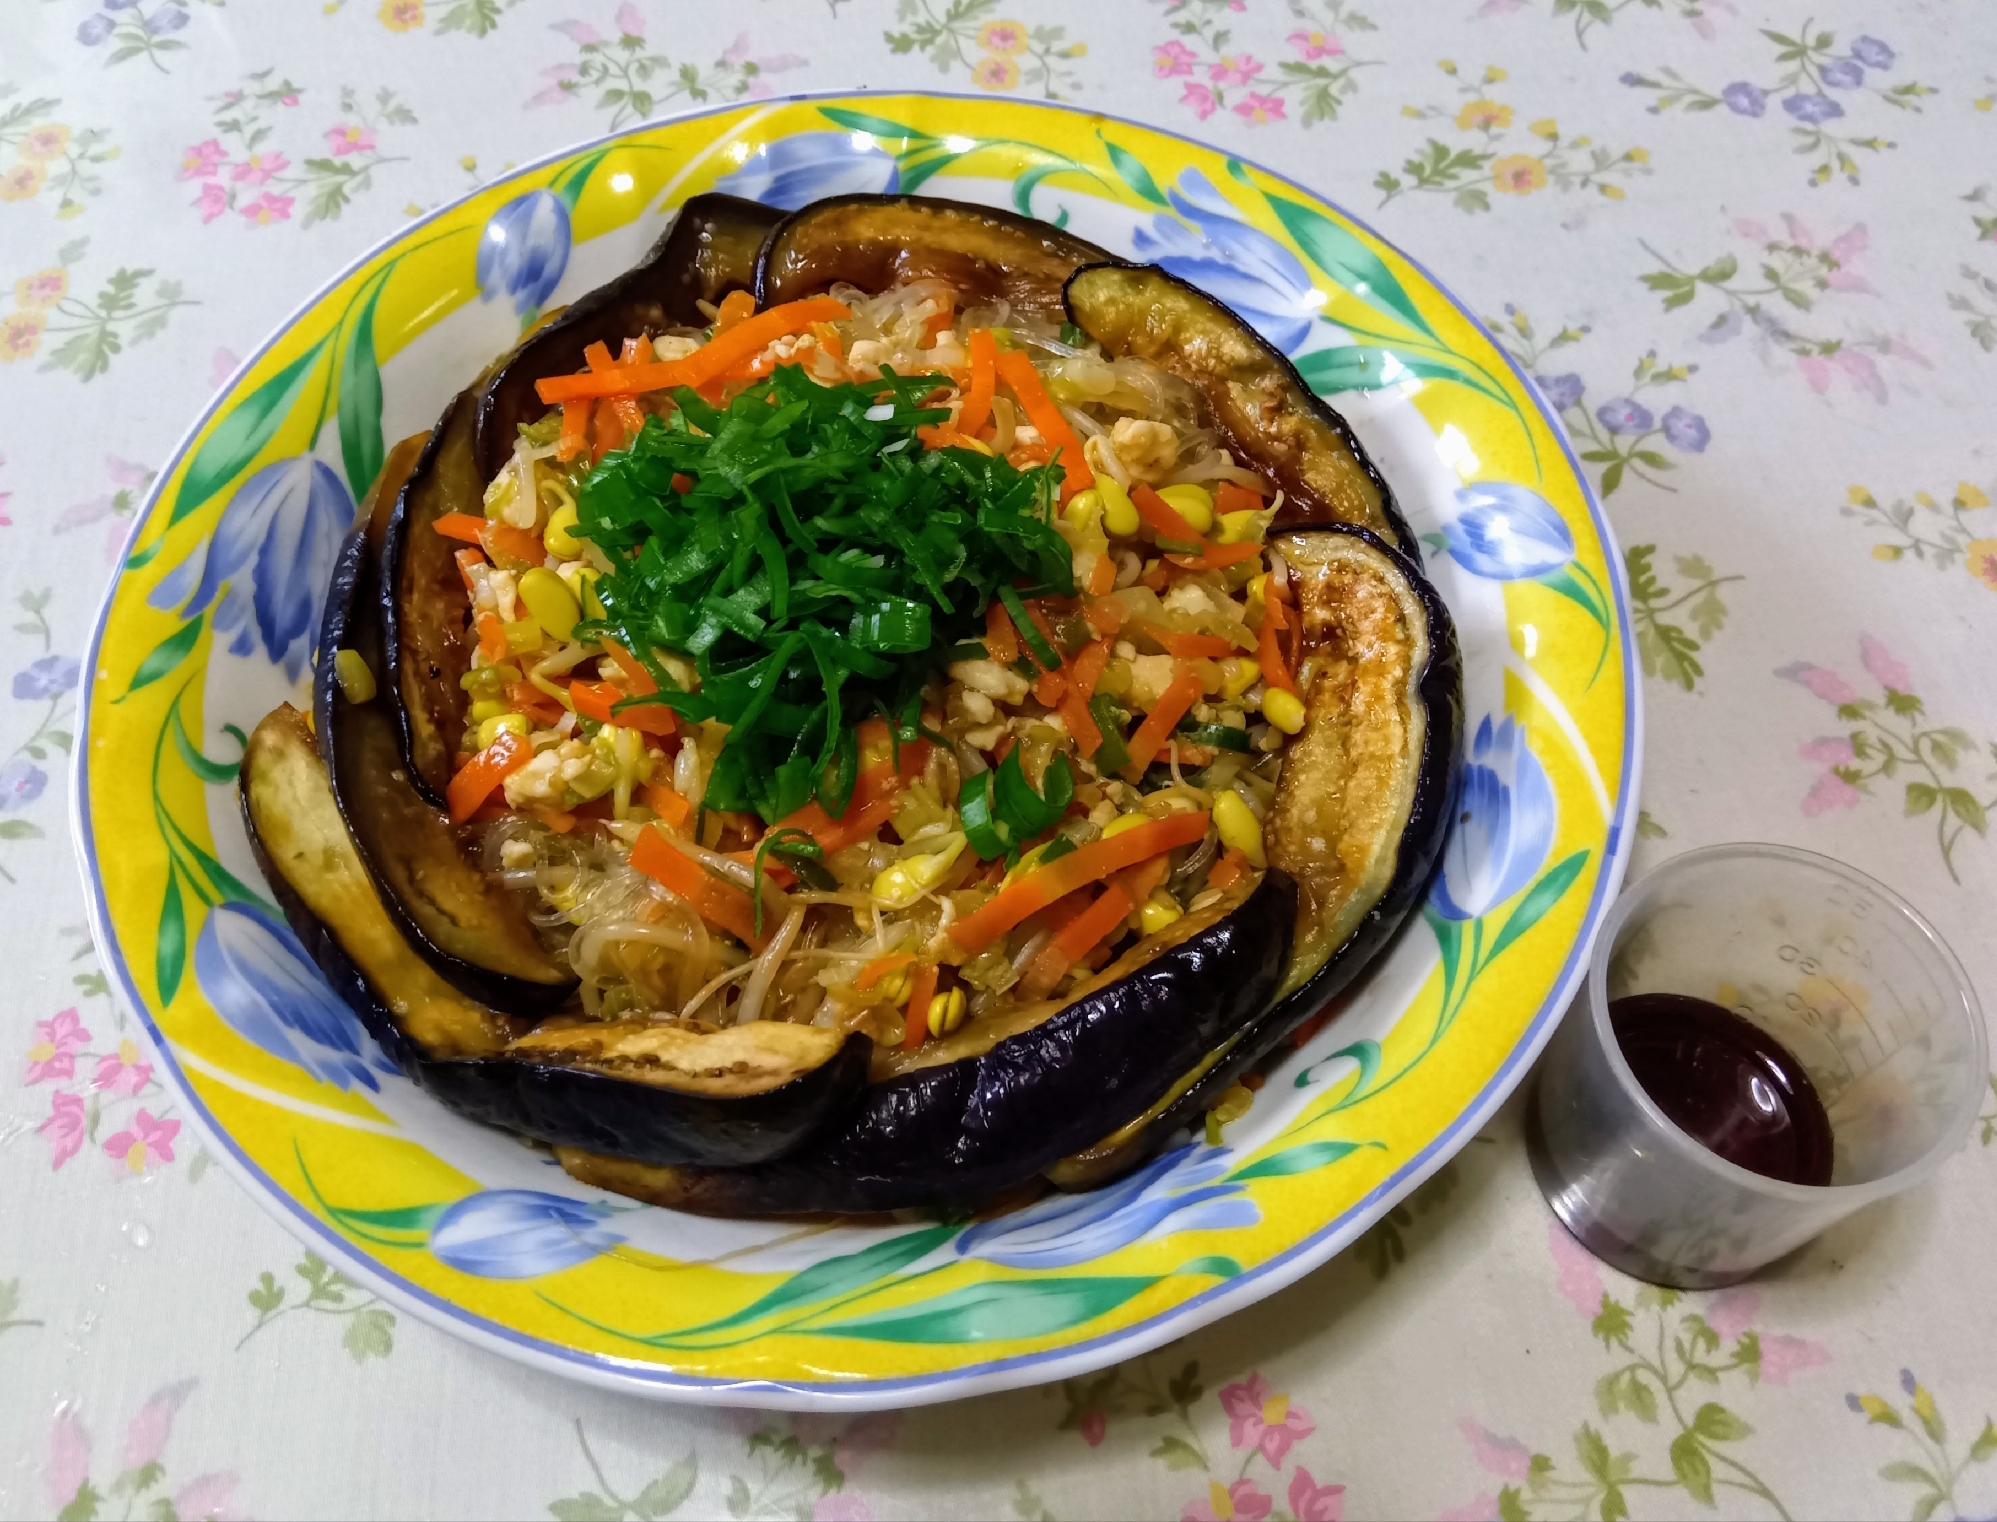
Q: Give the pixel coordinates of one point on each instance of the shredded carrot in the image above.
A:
(723, 353)
(1105, 615)
(1232, 866)
(667, 804)
(597, 357)
(719, 903)
(1074, 707)
(492, 637)
(595, 700)
(1156, 574)
(1050, 687)
(828, 339)
(880, 967)
(465, 526)
(939, 322)
(1151, 736)
(921, 989)
(977, 408)
(630, 416)
(467, 561)
(682, 482)
(1038, 616)
(635, 674)
(1102, 577)
(609, 433)
(736, 306)
(530, 700)
(1142, 880)
(474, 782)
(1186, 646)
(1233, 497)
(1076, 939)
(504, 542)
(774, 871)
(1217, 557)
(870, 807)
(558, 820)
(1017, 371)
(1166, 520)
(945, 436)
(1001, 641)
(1086, 864)
(1275, 669)
(575, 430)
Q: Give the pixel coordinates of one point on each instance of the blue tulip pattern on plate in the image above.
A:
(493, 1234)
(1208, 245)
(524, 250)
(793, 171)
(1504, 532)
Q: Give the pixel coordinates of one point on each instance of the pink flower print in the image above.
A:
(69, 1457)
(1257, 109)
(57, 1040)
(121, 1072)
(1753, 231)
(146, 1438)
(1825, 683)
(149, 1140)
(841, 1506)
(1173, 59)
(1816, 370)
(561, 79)
(1316, 45)
(581, 33)
(1830, 791)
(213, 200)
(1886, 670)
(221, 365)
(287, 100)
(1312, 1502)
(1257, 1417)
(1845, 248)
(1243, 1501)
(350, 137)
(1200, 98)
(1863, 372)
(1580, 1276)
(1782, 1357)
(1231, 70)
(65, 1127)
(1095, 1427)
(1830, 750)
(1733, 1313)
(267, 208)
(206, 1497)
(258, 168)
(203, 160)
(1505, 1457)
(630, 20)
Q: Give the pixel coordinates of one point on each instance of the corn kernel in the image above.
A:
(551, 602)
(1239, 829)
(1119, 512)
(1083, 508)
(901, 885)
(1235, 527)
(488, 708)
(1192, 502)
(946, 1012)
(356, 679)
(1233, 1104)
(501, 723)
(1124, 822)
(1159, 910)
(559, 536)
(1238, 674)
(1284, 710)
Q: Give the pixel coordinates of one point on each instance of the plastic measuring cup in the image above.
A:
(1836, 967)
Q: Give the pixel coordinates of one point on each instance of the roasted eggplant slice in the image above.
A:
(656, 1094)
(957, 1129)
(875, 242)
(1266, 415)
(709, 251)
(464, 922)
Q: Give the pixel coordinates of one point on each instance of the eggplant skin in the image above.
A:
(1269, 419)
(876, 242)
(709, 251)
(462, 1051)
(959, 1133)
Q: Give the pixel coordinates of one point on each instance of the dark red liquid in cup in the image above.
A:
(1727, 1084)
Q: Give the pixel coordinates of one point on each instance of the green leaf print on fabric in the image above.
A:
(1589, 14)
(50, 154)
(369, 1326)
(1935, 1472)
(659, 1497)
(1931, 532)
(1668, 649)
(1221, 76)
(11, 1318)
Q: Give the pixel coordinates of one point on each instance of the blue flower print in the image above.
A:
(48, 677)
(1506, 533)
(1504, 825)
(264, 986)
(268, 561)
(1871, 52)
(1814, 109)
(1844, 74)
(1563, 391)
(93, 30)
(1248, 270)
(21, 783)
(167, 19)
(1182, 1190)
(520, 1234)
(1744, 99)
(1686, 430)
(523, 252)
(795, 170)
(1624, 416)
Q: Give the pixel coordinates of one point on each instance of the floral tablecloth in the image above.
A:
(1749, 251)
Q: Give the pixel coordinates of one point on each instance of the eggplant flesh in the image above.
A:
(1254, 398)
(709, 251)
(959, 1132)
(659, 1095)
(878, 242)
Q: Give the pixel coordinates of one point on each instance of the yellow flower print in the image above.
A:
(1613, 192)
(20, 335)
(1879, 1412)
(1481, 115)
(1980, 557)
(1886, 552)
(1493, 75)
(1002, 37)
(1968, 497)
(996, 72)
(44, 288)
(1858, 496)
(1518, 174)
(1638, 155)
(401, 15)
(1545, 127)
(22, 182)
(1078, 50)
(45, 143)
(1447, 65)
